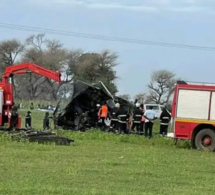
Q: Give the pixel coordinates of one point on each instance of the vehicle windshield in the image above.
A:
(153, 107)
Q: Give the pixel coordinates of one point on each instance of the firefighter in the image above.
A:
(149, 118)
(123, 117)
(95, 115)
(14, 117)
(46, 124)
(114, 118)
(28, 120)
(102, 115)
(137, 116)
(165, 118)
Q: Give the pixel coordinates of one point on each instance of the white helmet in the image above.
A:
(117, 105)
(137, 105)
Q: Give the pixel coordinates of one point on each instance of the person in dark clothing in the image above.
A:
(14, 117)
(123, 119)
(114, 127)
(46, 124)
(95, 115)
(32, 106)
(28, 120)
(165, 118)
(137, 116)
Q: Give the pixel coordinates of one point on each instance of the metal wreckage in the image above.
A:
(81, 112)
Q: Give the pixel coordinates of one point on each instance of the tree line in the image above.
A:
(159, 89)
(75, 64)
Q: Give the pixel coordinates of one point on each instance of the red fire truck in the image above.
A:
(193, 114)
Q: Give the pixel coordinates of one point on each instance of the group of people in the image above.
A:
(140, 121)
(28, 121)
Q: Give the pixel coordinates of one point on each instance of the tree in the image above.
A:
(9, 51)
(126, 97)
(141, 98)
(73, 64)
(95, 67)
(46, 53)
(161, 86)
(69, 70)
(107, 62)
(54, 57)
(37, 41)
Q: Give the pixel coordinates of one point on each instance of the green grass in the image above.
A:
(26, 103)
(104, 163)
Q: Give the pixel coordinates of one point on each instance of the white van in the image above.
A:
(156, 107)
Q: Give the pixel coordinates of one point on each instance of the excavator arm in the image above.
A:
(31, 68)
(6, 86)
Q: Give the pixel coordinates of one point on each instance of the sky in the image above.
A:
(189, 22)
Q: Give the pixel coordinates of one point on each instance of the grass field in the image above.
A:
(104, 163)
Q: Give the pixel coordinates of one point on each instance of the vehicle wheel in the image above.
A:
(205, 140)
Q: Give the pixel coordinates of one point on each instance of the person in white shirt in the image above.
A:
(150, 116)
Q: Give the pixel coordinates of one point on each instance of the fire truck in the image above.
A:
(193, 114)
(6, 87)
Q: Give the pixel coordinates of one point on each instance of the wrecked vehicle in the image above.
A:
(81, 112)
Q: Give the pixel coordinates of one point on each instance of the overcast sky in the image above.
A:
(175, 21)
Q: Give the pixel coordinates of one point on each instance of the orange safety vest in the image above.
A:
(103, 112)
(143, 118)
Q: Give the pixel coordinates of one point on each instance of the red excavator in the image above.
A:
(6, 87)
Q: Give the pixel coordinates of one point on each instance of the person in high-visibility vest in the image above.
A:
(142, 120)
(102, 114)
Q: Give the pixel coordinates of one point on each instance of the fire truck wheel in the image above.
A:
(205, 140)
